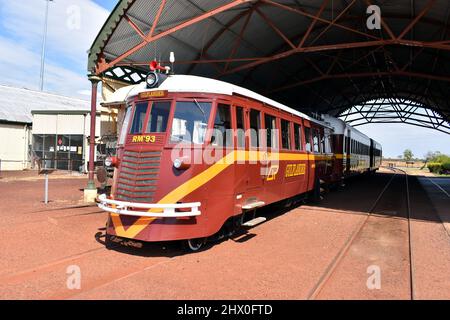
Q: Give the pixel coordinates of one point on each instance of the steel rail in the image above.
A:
(329, 271)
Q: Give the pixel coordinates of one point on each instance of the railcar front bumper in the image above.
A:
(161, 210)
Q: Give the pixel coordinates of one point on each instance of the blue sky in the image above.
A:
(73, 25)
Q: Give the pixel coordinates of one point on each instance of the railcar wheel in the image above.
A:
(194, 245)
(315, 193)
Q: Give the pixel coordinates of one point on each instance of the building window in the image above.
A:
(64, 152)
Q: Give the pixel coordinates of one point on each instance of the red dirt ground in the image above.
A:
(283, 258)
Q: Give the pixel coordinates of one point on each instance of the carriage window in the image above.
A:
(328, 142)
(308, 139)
(322, 144)
(271, 133)
(157, 122)
(126, 122)
(222, 135)
(297, 137)
(285, 134)
(255, 126)
(316, 141)
(139, 118)
(240, 127)
(190, 122)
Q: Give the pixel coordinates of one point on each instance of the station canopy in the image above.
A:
(317, 56)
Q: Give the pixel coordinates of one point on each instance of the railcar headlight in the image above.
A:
(181, 164)
(152, 80)
(177, 163)
(111, 162)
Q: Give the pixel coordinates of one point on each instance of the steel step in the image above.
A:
(253, 205)
(254, 222)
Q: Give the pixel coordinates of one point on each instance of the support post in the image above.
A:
(46, 189)
(90, 193)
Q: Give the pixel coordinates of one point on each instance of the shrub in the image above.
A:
(446, 166)
(435, 167)
(442, 158)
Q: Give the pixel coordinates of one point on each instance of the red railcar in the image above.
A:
(196, 154)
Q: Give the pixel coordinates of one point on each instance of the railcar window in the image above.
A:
(308, 139)
(322, 144)
(328, 142)
(139, 117)
(190, 122)
(298, 137)
(255, 127)
(222, 135)
(286, 134)
(316, 141)
(240, 127)
(157, 121)
(271, 134)
(126, 122)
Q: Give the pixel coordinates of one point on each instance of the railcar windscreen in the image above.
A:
(159, 115)
(139, 118)
(190, 122)
(126, 122)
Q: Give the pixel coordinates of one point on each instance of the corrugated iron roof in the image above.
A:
(16, 104)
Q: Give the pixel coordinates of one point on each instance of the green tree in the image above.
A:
(408, 155)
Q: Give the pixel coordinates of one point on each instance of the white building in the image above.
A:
(51, 127)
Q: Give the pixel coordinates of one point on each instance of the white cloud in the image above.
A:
(18, 66)
(73, 25)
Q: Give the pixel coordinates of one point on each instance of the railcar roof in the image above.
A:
(188, 83)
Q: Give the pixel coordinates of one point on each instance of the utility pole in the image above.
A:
(44, 43)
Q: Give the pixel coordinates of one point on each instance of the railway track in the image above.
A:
(343, 252)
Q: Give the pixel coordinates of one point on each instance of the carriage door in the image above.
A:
(254, 175)
(241, 145)
(222, 142)
(348, 152)
(310, 163)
